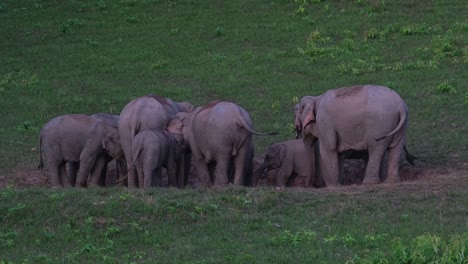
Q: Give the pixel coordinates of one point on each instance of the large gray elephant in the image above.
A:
(220, 138)
(147, 112)
(78, 138)
(365, 118)
(293, 158)
(152, 150)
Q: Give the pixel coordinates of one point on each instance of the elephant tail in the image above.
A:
(403, 121)
(242, 123)
(41, 164)
(410, 158)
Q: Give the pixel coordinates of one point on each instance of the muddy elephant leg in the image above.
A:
(373, 169)
(221, 171)
(202, 171)
(394, 155)
(64, 178)
(97, 171)
(329, 163)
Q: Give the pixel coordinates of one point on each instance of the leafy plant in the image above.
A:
(445, 87)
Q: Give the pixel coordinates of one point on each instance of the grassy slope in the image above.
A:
(93, 56)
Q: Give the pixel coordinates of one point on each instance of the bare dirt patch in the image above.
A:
(419, 175)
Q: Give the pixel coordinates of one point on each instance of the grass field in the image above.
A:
(76, 56)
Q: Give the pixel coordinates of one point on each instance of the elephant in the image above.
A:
(121, 166)
(220, 138)
(292, 158)
(153, 149)
(369, 119)
(147, 112)
(77, 138)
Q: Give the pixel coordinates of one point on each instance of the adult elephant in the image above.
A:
(220, 138)
(359, 118)
(72, 167)
(77, 138)
(146, 112)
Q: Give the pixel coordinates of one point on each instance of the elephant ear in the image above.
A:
(309, 113)
(297, 120)
(108, 143)
(175, 126)
(282, 149)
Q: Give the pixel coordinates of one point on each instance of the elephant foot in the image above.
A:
(392, 180)
(370, 181)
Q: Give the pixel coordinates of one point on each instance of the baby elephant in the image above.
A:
(293, 158)
(153, 149)
(78, 138)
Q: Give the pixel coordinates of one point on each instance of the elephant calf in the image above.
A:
(153, 149)
(77, 138)
(292, 158)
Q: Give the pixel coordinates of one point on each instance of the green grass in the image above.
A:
(78, 56)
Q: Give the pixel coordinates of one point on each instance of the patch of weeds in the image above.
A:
(91, 42)
(445, 87)
(101, 5)
(420, 30)
(129, 2)
(174, 31)
(67, 27)
(25, 126)
(132, 19)
(315, 49)
(288, 238)
(8, 239)
(158, 65)
(20, 79)
(392, 85)
(219, 31)
(3, 7)
(219, 57)
(17, 207)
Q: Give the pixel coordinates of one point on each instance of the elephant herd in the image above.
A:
(153, 132)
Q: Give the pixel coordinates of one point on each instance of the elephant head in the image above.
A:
(111, 144)
(185, 106)
(305, 113)
(274, 157)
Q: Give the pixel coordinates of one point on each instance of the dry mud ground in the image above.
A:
(420, 176)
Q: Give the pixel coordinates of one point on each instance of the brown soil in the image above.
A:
(354, 170)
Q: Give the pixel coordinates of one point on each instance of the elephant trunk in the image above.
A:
(261, 172)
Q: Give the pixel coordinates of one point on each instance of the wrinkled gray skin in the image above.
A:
(220, 139)
(152, 150)
(78, 138)
(292, 158)
(147, 112)
(359, 118)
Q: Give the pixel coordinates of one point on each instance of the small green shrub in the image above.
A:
(445, 87)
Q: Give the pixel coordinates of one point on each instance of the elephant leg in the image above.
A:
(138, 166)
(73, 171)
(394, 155)
(97, 171)
(329, 163)
(202, 171)
(132, 174)
(243, 163)
(155, 179)
(64, 176)
(86, 165)
(342, 177)
(221, 171)
(54, 173)
(373, 169)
